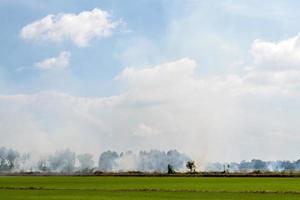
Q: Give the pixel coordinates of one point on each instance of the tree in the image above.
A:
(176, 159)
(11, 157)
(171, 169)
(259, 165)
(153, 161)
(86, 162)
(191, 165)
(7, 159)
(42, 165)
(62, 161)
(107, 161)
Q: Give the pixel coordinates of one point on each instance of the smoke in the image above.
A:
(201, 97)
(86, 162)
(7, 158)
(145, 161)
(67, 161)
(167, 106)
(107, 160)
(62, 161)
(255, 165)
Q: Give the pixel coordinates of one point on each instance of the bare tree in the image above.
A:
(191, 166)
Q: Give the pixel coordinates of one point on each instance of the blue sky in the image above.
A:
(100, 59)
(209, 67)
(152, 23)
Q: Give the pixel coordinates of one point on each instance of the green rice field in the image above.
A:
(146, 188)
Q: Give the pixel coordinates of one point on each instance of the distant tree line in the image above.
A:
(7, 159)
(61, 161)
(172, 161)
(256, 165)
(144, 161)
(67, 161)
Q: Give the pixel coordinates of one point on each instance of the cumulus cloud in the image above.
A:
(60, 62)
(280, 55)
(167, 72)
(78, 28)
(276, 65)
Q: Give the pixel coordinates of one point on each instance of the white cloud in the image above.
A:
(79, 29)
(166, 73)
(280, 55)
(276, 66)
(59, 62)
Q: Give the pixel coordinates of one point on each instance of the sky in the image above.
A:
(218, 80)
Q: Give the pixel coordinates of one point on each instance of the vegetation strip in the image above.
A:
(153, 190)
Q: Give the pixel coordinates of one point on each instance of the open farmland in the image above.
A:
(107, 187)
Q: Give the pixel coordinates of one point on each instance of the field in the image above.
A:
(146, 188)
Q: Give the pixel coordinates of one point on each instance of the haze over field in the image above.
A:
(216, 80)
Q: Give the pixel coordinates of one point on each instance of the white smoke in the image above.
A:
(165, 107)
(145, 161)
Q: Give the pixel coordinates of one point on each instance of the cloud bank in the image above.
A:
(169, 106)
(77, 28)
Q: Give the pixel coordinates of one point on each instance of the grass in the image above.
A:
(102, 188)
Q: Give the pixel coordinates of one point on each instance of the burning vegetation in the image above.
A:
(153, 161)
